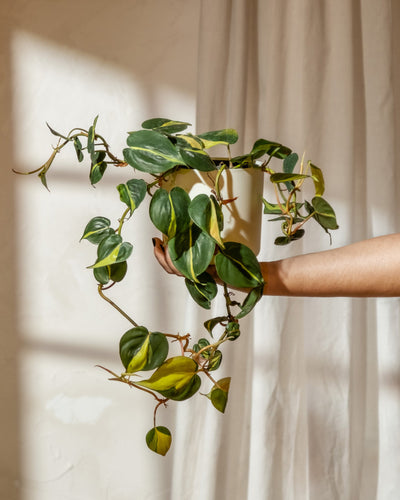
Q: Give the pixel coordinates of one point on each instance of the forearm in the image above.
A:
(370, 268)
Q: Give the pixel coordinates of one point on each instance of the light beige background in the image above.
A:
(314, 410)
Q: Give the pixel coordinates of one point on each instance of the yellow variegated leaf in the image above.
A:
(318, 178)
(194, 142)
(139, 361)
(214, 226)
(107, 261)
(175, 373)
(159, 440)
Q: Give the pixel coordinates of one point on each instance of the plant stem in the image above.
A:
(160, 402)
(122, 220)
(100, 290)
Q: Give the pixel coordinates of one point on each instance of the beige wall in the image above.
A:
(68, 433)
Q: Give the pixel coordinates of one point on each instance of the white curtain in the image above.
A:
(315, 403)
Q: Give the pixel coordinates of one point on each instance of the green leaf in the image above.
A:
(175, 375)
(189, 141)
(210, 324)
(201, 343)
(283, 177)
(112, 250)
(219, 394)
(115, 272)
(238, 266)
(159, 440)
(169, 211)
(98, 166)
(232, 330)
(132, 193)
(285, 240)
(152, 152)
(91, 137)
(224, 136)
(191, 252)
(318, 179)
(271, 208)
(78, 148)
(97, 229)
(43, 179)
(202, 291)
(243, 161)
(214, 361)
(184, 392)
(160, 210)
(289, 163)
(165, 126)
(140, 349)
(324, 213)
(207, 215)
(263, 147)
(250, 301)
(197, 159)
(57, 134)
(180, 220)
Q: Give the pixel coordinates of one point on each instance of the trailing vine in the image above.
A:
(193, 232)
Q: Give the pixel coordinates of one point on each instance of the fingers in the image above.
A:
(159, 254)
(162, 256)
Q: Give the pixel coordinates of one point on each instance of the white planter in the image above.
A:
(242, 217)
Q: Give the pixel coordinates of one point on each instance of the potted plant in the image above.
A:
(192, 225)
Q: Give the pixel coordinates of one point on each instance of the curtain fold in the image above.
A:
(315, 402)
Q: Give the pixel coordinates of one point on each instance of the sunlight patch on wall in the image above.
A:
(67, 88)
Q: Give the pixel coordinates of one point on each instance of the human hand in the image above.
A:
(162, 255)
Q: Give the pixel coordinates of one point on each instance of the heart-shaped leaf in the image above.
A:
(215, 137)
(219, 394)
(263, 147)
(165, 126)
(151, 152)
(97, 229)
(202, 291)
(210, 324)
(132, 193)
(159, 440)
(207, 214)
(197, 159)
(250, 301)
(174, 374)
(324, 213)
(191, 252)
(112, 250)
(169, 211)
(238, 266)
(140, 349)
(114, 272)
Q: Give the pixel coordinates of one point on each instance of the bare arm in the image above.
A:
(370, 268)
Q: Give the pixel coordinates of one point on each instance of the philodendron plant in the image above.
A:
(191, 230)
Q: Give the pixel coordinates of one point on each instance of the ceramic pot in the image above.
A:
(242, 188)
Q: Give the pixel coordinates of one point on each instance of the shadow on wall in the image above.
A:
(154, 43)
